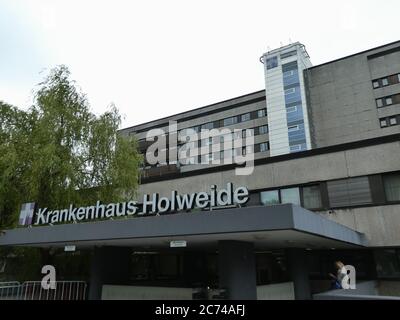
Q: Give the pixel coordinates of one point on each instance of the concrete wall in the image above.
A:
(279, 291)
(111, 292)
(380, 224)
(342, 99)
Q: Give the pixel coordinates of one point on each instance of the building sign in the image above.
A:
(151, 204)
(26, 214)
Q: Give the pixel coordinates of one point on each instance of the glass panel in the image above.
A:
(269, 197)
(383, 123)
(245, 117)
(261, 113)
(376, 84)
(387, 264)
(272, 63)
(392, 187)
(291, 196)
(312, 197)
(379, 103)
(230, 121)
(385, 82)
(264, 129)
(389, 101)
(263, 147)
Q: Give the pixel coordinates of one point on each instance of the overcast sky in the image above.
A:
(156, 58)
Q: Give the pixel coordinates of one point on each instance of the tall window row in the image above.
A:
(260, 113)
(388, 100)
(386, 81)
(390, 121)
(343, 193)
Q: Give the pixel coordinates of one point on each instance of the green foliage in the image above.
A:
(58, 152)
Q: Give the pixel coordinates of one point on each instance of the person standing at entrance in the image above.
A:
(341, 274)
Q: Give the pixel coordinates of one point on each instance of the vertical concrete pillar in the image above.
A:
(237, 269)
(109, 265)
(298, 266)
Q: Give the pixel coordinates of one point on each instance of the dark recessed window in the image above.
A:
(389, 101)
(264, 146)
(272, 63)
(245, 117)
(375, 84)
(230, 121)
(385, 82)
(263, 129)
(207, 126)
(379, 103)
(261, 113)
(393, 121)
(349, 192)
(383, 123)
(312, 197)
(392, 187)
(293, 128)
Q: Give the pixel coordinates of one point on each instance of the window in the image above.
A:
(392, 187)
(291, 109)
(245, 117)
(398, 77)
(389, 101)
(237, 135)
(383, 123)
(230, 121)
(247, 133)
(375, 84)
(293, 128)
(261, 113)
(295, 148)
(269, 197)
(385, 82)
(272, 63)
(349, 192)
(393, 121)
(387, 263)
(263, 129)
(288, 73)
(264, 147)
(291, 195)
(379, 103)
(207, 126)
(290, 91)
(312, 197)
(206, 142)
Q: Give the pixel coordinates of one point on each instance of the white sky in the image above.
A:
(155, 58)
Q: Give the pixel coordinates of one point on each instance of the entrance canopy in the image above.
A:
(280, 226)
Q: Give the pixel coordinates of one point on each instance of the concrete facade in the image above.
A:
(378, 223)
(342, 100)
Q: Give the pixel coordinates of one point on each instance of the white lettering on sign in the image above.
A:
(151, 204)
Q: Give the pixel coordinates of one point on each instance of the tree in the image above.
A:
(58, 152)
